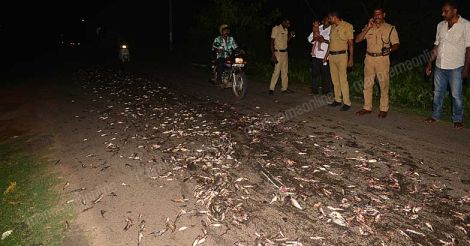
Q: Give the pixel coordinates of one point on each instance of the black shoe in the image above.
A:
(345, 108)
(383, 114)
(271, 92)
(458, 125)
(287, 91)
(334, 104)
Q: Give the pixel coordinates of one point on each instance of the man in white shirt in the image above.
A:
(452, 54)
(320, 66)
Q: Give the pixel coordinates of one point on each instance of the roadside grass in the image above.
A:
(28, 198)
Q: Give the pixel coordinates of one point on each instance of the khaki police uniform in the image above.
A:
(339, 36)
(378, 66)
(280, 36)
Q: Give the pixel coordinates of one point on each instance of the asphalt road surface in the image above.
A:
(156, 155)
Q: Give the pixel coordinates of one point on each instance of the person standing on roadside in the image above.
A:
(320, 66)
(452, 54)
(341, 45)
(382, 39)
(280, 38)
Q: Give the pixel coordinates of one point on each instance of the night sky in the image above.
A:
(32, 28)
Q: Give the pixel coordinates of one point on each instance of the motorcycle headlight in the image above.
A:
(239, 60)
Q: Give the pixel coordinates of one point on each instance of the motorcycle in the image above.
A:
(233, 75)
(124, 54)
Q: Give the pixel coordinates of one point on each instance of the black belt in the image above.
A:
(375, 54)
(280, 50)
(337, 52)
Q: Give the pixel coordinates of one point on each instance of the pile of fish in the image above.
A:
(167, 129)
(322, 179)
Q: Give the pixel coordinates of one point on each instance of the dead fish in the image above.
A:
(203, 223)
(415, 232)
(240, 179)
(429, 226)
(129, 224)
(199, 240)
(142, 225)
(460, 216)
(295, 203)
(141, 235)
(169, 225)
(275, 199)
(404, 234)
(6, 234)
(281, 239)
(338, 219)
(104, 168)
(444, 243)
(65, 185)
(97, 200)
(334, 209)
(86, 209)
(78, 190)
(158, 233)
(462, 229)
(182, 228)
(181, 200)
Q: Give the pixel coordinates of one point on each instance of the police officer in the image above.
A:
(280, 38)
(382, 39)
(341, 44)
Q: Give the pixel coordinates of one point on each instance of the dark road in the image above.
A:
(174, 160)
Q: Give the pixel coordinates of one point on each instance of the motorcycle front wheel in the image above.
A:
(239, 84)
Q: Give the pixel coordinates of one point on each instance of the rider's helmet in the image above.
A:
(222, 28)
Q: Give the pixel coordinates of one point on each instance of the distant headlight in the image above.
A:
(238, 60)
(124, 46)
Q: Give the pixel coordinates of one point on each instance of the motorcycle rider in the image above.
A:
(124, 54)
(223, 46)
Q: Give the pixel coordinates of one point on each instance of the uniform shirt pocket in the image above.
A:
(343, 35)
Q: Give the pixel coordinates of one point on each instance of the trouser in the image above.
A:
(281, 68)
(376, 67)
(339, 77)
(442, 79)
(320, 75)
(220, 68)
